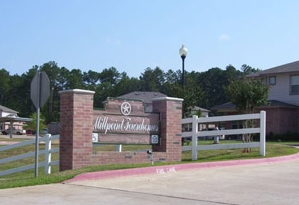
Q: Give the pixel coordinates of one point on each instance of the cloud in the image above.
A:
(224, 37)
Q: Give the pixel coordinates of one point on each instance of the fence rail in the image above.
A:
(195, 133)
(48, 163)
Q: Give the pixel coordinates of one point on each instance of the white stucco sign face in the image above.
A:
(126, 122)
(106, 125)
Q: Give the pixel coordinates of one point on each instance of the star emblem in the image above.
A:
(125, 108)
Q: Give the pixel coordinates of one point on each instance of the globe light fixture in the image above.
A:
(183, 53)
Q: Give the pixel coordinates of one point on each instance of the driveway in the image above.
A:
(264, 182)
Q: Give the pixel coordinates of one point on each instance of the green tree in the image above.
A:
(61, 80)
(247, 70)
(31, 125)
(152, 79)
(172, 85)
(75, 80)
(126, 85)
(111, 76)
(4, 85)
(212, 82)
(108, 80)
(231, 73)
(50, 109)
(247, 94)
(193, 93)
(91, 79)
(17, 99)
(204, 89)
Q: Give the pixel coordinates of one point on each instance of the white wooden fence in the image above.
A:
(47, 152)
(204, 120)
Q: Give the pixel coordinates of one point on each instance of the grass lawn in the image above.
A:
(27, 178)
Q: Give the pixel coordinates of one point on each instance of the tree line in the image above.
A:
(203, 89)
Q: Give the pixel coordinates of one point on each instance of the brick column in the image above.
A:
(170, 128)
(76, 118)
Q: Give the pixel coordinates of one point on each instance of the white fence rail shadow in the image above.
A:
(195, 121)
(47, 163)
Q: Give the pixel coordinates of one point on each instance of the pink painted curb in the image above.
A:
(175, 168)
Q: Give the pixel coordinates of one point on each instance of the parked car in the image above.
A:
(14, 131)
(216, 138)
(211, 137)
(44, 132)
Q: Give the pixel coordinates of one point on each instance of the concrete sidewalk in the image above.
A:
(268, 181)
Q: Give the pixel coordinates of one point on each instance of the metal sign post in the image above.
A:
(39, 93)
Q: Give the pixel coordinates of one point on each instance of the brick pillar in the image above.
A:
(76, 118)
(171, 127)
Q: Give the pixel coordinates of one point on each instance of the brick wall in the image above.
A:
(76, 121)
(171, 127)
(170, 149)
(76, 109)
(280, 120)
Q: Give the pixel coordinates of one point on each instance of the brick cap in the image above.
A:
(77, 91)
(167, 99)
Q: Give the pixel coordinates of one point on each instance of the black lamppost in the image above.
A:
(183, 54)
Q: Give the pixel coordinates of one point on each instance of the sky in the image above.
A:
(132, 35)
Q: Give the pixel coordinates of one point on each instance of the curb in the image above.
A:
(175, 168)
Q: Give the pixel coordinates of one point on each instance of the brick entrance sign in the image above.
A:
(122, 121)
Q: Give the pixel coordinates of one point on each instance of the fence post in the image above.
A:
(263, 133)
(194, 137)
(48, 154)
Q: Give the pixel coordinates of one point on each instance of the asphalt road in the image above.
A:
(268, 182)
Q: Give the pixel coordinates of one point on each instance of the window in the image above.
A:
(272, 80)
(294, 84)
(187, 127)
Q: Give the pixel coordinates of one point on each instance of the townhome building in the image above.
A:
(282, 109)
